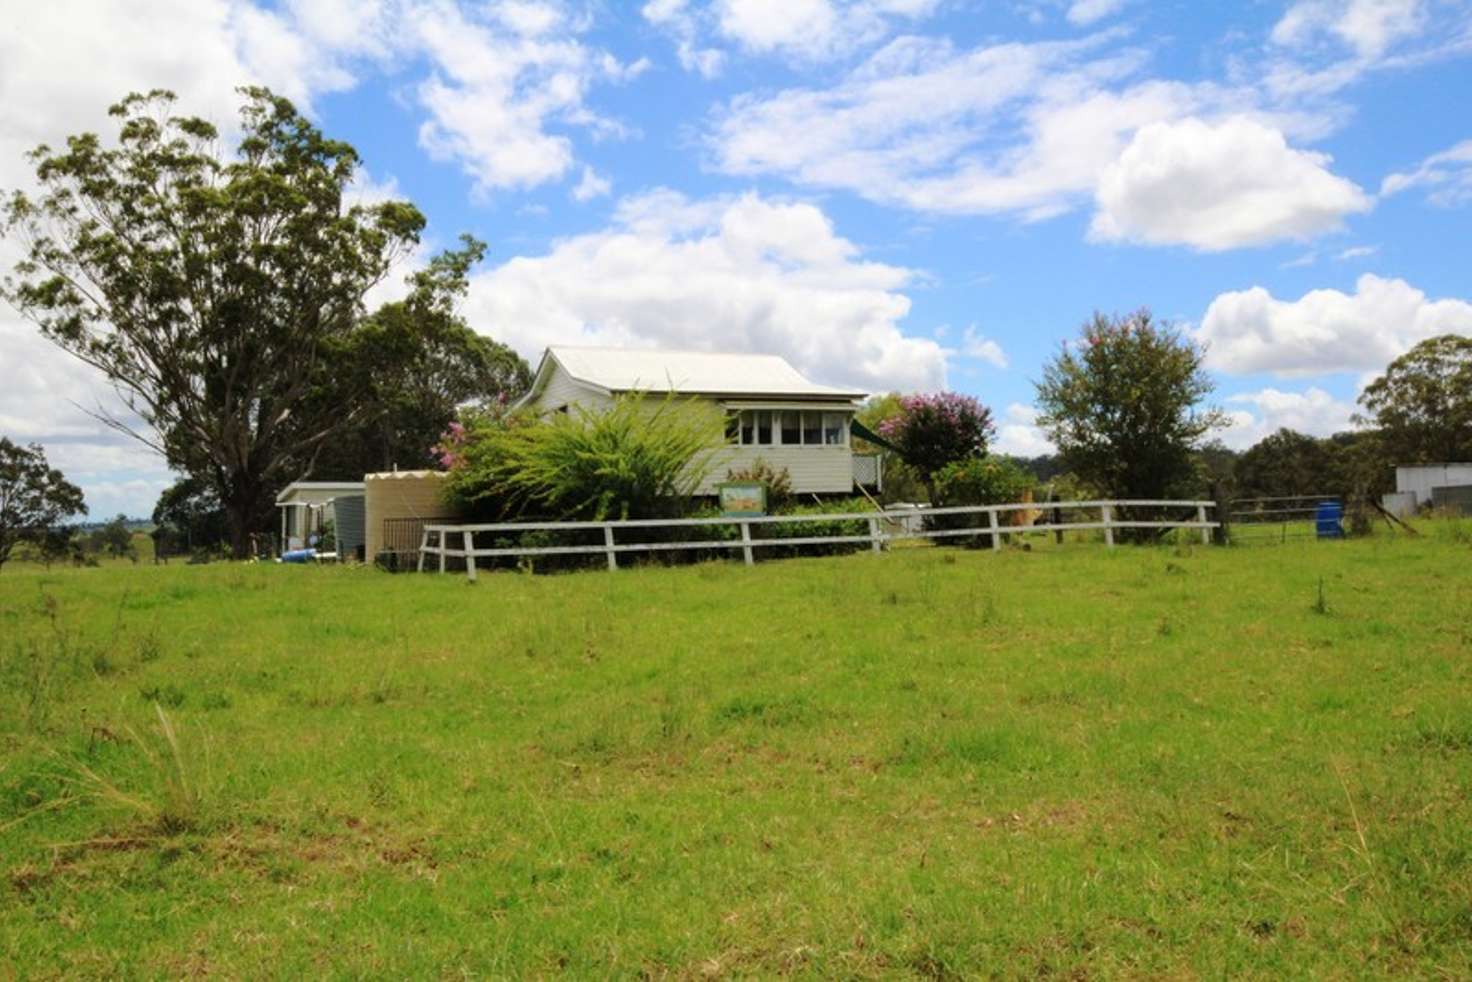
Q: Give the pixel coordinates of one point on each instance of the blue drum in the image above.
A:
(1327, 519)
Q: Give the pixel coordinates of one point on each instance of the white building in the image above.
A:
(306, 505)
(772, 412)
(1415, 482)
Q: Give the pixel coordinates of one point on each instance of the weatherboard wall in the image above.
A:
(822, 469)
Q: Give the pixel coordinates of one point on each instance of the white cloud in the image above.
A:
(1320, 47)
(1251, 331)
(1368, 27)
(1085, 12)
(1019, 435)
(801, 30)
(63, 63)
(676, 19)
(1356, 252)
(740, 274)
(47, 398)
(592, 185)
(493, 95)
(1220, 186)
(975, 345)
(1313, 411)
(1004, 128)
(1446, 176)
(501, 84)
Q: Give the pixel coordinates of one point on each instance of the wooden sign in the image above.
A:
(742, 499)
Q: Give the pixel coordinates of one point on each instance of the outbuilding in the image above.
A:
(398, 504)
(1420, 485)
(307, 506)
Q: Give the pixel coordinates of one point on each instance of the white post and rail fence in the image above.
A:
(442, 542)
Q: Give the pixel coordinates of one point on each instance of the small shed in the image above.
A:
(306, 506)
(397, 505)
(1422, 480)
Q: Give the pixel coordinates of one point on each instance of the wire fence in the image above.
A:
(1277, 519)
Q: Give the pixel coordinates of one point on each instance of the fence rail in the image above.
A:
(1276, 519)
(436, 538)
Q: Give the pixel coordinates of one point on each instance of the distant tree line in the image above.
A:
(1125, 405)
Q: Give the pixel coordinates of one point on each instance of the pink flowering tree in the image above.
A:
(937, 429)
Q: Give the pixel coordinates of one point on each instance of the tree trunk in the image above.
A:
(242, 508)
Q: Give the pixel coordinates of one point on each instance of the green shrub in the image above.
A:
(981, 481)
(639, 458)
(976, 481)
(838, 528)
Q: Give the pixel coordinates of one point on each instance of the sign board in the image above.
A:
(742, 499)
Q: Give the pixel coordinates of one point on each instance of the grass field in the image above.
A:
(1079, 762)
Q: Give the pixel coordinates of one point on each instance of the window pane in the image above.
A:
(764, 427)
(833, 429)
(748, 428)
(733, 427)
(812, 428)
(791, 427)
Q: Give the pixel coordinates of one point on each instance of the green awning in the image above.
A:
(864, 433)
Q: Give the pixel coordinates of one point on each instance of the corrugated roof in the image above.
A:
(318, 486)
(691, 372)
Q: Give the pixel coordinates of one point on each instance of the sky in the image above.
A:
(893, 194)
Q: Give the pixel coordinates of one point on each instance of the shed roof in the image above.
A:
(686, 372)
(319, 487)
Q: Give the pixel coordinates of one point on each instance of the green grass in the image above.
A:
(1071, 761)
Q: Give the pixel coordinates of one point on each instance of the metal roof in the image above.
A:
(318, 486)
(688, 372)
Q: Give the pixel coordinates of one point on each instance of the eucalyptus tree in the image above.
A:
(1422, 405)
(415, 362)
(210, 281)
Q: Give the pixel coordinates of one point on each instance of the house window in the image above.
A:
(812, 428)
(833, 429)
(787, 428)
(791, 428)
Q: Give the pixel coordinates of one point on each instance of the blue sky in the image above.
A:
(898, 194)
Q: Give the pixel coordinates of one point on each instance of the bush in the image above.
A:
(932, 431)
(837, 528)
(978, 481)
(637, 459)
(982, 481)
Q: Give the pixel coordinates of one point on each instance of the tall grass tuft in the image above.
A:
(169, 798)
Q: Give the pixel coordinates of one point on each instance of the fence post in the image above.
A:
(1205, 532)
(442, 550)
(1223, 513)
(469, 556)
(746, 538)
(1108, 512)
(423, 545)
(991, 518)
(608, 544)
(874, 534)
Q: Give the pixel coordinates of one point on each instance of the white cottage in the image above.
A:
(772, 412)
